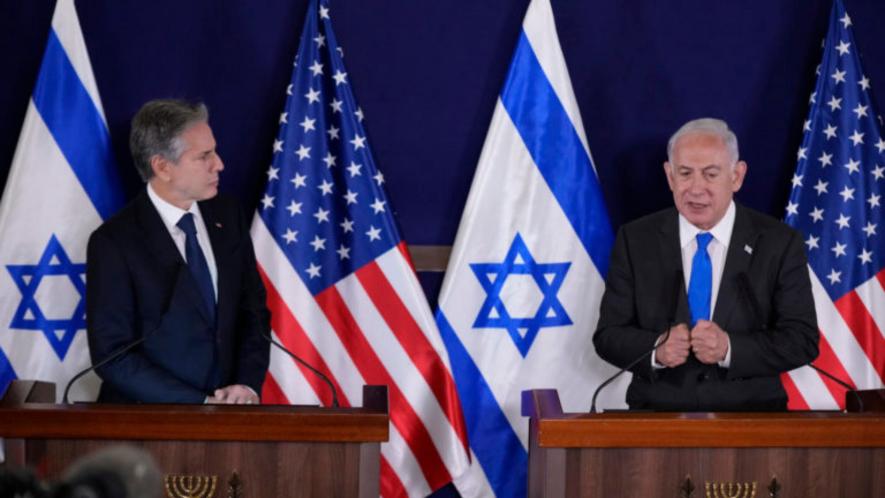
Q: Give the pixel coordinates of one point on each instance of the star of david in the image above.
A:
(547, 276)
(28, 316)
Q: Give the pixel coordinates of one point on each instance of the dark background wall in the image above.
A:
(427, 73)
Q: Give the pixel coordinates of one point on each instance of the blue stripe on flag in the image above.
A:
(77, 127)
(554, 145)
(7, 374)
(499, 450)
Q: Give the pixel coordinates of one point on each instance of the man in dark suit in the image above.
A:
(175, 269)
(748, 314)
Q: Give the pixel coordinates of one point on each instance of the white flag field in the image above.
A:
(62, 183)
(520, 300)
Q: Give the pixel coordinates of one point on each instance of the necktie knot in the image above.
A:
(704, 239)
(186, 224)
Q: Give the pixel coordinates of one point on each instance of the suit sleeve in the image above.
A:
(110, 304)
(253, 318)
(618, 338)
(790, 338)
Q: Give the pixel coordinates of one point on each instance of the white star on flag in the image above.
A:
(350, 272)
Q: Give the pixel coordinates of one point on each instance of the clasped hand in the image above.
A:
(706, 340)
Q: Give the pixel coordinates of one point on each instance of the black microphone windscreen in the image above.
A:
(114, 472)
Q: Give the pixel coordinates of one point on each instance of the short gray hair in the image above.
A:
(157, 129)
(710, 126)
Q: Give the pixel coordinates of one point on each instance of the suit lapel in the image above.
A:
(671, 257)
(156, 236)
(163, 248)
(737, 261)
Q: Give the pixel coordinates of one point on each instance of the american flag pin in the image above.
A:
(217, 224)
(748, 249)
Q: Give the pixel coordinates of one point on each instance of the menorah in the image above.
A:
(190, 486)
(730, 489)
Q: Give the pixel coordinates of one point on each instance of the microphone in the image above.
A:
(306, 365)
(113, 356)
(22, 483)
(114, 472)
(747, 289)
(182, 272)
(677, 289)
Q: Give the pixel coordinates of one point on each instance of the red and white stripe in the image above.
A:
(372, 327)
(852, 346)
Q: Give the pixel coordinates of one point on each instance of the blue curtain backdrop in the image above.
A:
(427, 73)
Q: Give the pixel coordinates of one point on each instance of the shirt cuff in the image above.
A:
(726, 362)
(654, 363)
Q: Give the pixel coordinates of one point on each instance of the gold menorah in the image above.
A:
(190, 486)
(730, 489)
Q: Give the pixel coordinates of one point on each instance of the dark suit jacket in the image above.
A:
(777, 333)
(139, 287)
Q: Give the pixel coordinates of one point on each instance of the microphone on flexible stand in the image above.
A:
(678, 281)
(113, 356)
(125, 349)
(747, 289)
(306, 365)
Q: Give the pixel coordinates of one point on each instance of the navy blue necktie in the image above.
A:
(700, 287)
(196, 263)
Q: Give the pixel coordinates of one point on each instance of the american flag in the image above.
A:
(836, 202)
(341, 288)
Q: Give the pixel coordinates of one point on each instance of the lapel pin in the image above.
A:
(217, 224)
(748, 249)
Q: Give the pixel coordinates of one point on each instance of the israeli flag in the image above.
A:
(520, 300)
(62, 183)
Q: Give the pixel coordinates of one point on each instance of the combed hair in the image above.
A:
(157, 129)
(712, 126)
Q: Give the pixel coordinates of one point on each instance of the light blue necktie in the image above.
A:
(700, 287)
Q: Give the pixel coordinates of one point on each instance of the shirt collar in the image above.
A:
(721, 231)
(169, 212)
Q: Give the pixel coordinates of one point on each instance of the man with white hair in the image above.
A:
(716, 294)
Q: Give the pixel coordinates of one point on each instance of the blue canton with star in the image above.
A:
(28, 316)
(547, 276)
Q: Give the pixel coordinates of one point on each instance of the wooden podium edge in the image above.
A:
(195, 422)
(556, 429)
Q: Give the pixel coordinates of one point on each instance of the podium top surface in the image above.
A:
(22, 415)
(701, 429)
(194, 422)
(795, 429)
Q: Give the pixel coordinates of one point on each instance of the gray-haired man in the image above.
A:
(174, 271)
(746, 314)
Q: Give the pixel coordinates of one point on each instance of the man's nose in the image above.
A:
(696, 184)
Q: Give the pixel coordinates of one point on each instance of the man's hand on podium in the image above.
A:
(236, 394)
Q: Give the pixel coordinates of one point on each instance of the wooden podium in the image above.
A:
(253, 451)
(700, 455)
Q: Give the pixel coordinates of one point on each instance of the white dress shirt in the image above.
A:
(171, 214)
(717, 249)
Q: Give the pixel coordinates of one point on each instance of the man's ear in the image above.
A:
(737, 178)
(160, 166)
